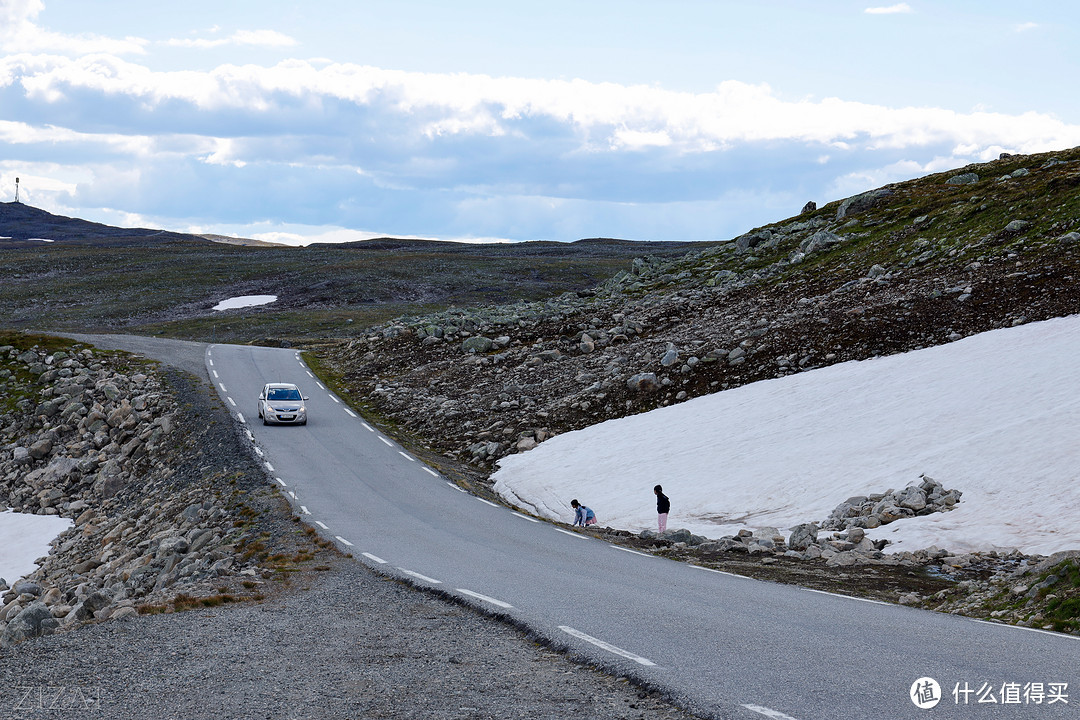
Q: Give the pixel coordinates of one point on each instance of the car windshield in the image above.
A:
(283, 394)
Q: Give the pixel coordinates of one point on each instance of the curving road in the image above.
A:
(725, 645)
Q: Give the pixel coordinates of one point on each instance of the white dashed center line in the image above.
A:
(485, 598)
(571, 534)
(768, 712)
(607, 646)
(321, 524)
(335, 399)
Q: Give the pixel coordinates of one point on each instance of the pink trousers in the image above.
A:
(661, 520)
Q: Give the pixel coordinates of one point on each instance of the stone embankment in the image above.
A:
(105, 441)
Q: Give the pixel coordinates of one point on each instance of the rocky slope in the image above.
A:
(165, 505)
(900, 268)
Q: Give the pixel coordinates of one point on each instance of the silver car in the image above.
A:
(282, 403)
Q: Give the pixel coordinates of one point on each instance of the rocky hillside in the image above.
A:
(905, 266)
(166, 505)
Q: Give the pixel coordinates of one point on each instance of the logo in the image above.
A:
(925, 693)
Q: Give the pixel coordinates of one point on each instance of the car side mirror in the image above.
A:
(305, 397)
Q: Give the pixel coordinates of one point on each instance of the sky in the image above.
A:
(687, 120)
(985, 415)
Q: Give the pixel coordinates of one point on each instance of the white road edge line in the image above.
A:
(216, 376)
(523, 517)
(607, 646)
(240, 417)
(335, 399)
(221, 384)
(487, 502)
(321, 524)
(248, 432)
(305, 510)
(1021, 627)
(310, 375)
(258, 452)
(633, 552)
(374, 558)
(268, 466)
(233, 402)
(211, 361)
(321, 386)
(418, 576)
(431, 472)
(720, 572)
(281, 481)
(454, 486)
(847, 597)
(485, 598)
(406, 456)
(571, 534)
(343, 541)
(368, 427)
(292, 494)
(387, 442)
(768, 712)
(351, 413)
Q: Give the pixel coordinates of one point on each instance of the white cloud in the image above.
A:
(19, 33)
(890, 10)
(1024, 27)
(253, 38)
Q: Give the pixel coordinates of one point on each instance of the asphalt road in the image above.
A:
(725, 645)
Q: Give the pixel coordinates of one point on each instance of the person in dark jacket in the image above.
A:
(663, 506)
(582, 515)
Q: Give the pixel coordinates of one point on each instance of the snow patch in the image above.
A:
(994, 415)
(245, 301)
(23, 539)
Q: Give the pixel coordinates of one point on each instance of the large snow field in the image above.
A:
(995, 415)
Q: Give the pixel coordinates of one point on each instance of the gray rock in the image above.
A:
(27, 587)
(175, 545)
(32, 621)
(1070, 237)
(809, 207)
(41, 448)
(671, 356)
(802, 536)
(963, 179)
(1017, 226)
(476, 343)
(643, 383)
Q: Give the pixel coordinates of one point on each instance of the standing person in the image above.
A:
(582, 515)
(663, 506)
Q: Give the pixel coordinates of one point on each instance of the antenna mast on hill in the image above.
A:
(16, 189)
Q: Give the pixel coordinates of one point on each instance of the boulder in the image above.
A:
(963, 179)
(643, 383)
(802, 536)
(32, 621)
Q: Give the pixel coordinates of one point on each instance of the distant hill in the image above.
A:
(22, 224)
